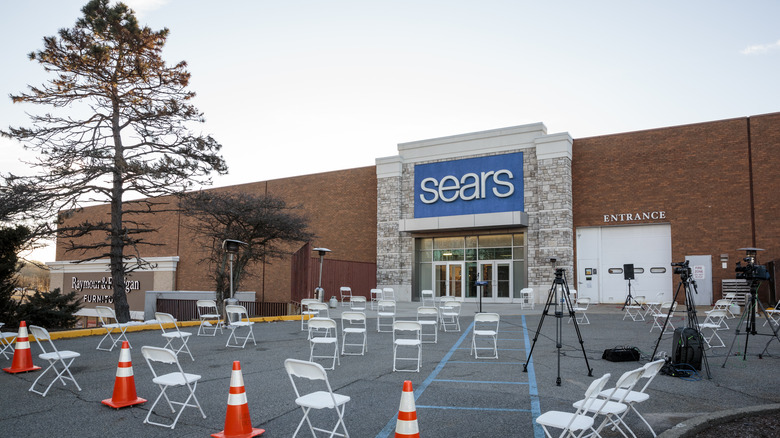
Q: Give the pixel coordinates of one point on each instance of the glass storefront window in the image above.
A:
(495, 241)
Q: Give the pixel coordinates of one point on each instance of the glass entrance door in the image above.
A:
(498, 274)
(448, 279)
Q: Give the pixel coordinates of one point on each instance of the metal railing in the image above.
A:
(186, 310)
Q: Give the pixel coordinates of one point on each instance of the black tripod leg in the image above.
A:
(774, 327)
(577, 329)
(539, 328)
(666, 321)
(736, 335)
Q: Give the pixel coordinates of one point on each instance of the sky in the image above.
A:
(293, 87)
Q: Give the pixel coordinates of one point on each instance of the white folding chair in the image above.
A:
(304, 373)
(237, 317)
(407, 336)
(345, 292)
(651, 370)
(577, 421)
(64, 358)
(7, 342)
(580, 308)
(773, 315)
(385, 310)
(173, 333)
(174, 377)
(357, 303)
(428, 316)
(376, 296)
(714, 322)
(388, 293)
(527, 298)
(449, 312)
(660, 317)
(485, 327)
(209, 316)
(427, 299)
(613, 407)
(319, 335)
(353, 324)
(109, 323)
(306, 313)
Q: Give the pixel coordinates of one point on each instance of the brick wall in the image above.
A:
(698, 174)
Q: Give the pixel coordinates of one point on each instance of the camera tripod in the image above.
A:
(689, 284)
(559, 288)
(751, 308)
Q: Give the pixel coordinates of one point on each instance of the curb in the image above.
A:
(691, 427)
(141, 327)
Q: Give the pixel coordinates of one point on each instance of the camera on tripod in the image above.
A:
(682, 269)
(751, 271)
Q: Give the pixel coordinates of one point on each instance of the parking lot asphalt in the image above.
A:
(455, 394)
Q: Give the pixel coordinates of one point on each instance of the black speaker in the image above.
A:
(628, 271)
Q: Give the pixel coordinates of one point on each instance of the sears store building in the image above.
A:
(498, 205)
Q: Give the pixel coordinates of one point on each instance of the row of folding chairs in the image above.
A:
(613, 404)
(376, 294)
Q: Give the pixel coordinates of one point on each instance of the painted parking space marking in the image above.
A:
(533, 392)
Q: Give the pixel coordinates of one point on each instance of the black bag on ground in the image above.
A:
(687, 347)
(621, 354)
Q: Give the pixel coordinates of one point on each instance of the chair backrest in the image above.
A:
(451, 306)
(583, 302)
(377, 292)
(41, 335)
(304, 370)
(235, 313)
(358, 299)
(425, 312)
(157, 354)
(388, 293)
(407, 326)
(106, 314)
(353, 318)
(627, 382)
(307, 301)
(319, 308)
(651, 370)
(345, 291)
(206, 306)
(715, 316)
(427, 293)
(317, 324)
(641, 299)
(592, 395)
(165, 318)
(486, 317)
(385, 306)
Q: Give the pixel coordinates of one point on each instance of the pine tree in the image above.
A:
(120, 124)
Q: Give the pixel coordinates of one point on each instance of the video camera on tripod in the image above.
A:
(751, 270)
(683, 269)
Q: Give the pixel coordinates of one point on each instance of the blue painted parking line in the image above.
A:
(535, 410)
(533, 389)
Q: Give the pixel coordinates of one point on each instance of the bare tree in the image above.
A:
(264, 222)
(120, 125)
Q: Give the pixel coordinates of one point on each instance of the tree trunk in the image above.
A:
(117, 261)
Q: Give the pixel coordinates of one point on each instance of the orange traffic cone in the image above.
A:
(406, 426)
(124, 384)
(237, 421)
(22, 355)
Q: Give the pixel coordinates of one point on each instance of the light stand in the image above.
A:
(628, 274)
(480, 285)
(319, 293)
(231, 248)
(559, 286)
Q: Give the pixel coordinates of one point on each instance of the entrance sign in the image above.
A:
(489, 184)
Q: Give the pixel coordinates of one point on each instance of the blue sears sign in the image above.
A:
(470, 186)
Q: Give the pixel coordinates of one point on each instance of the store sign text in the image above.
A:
(104, 283)
(628, 217)
(469, 186)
